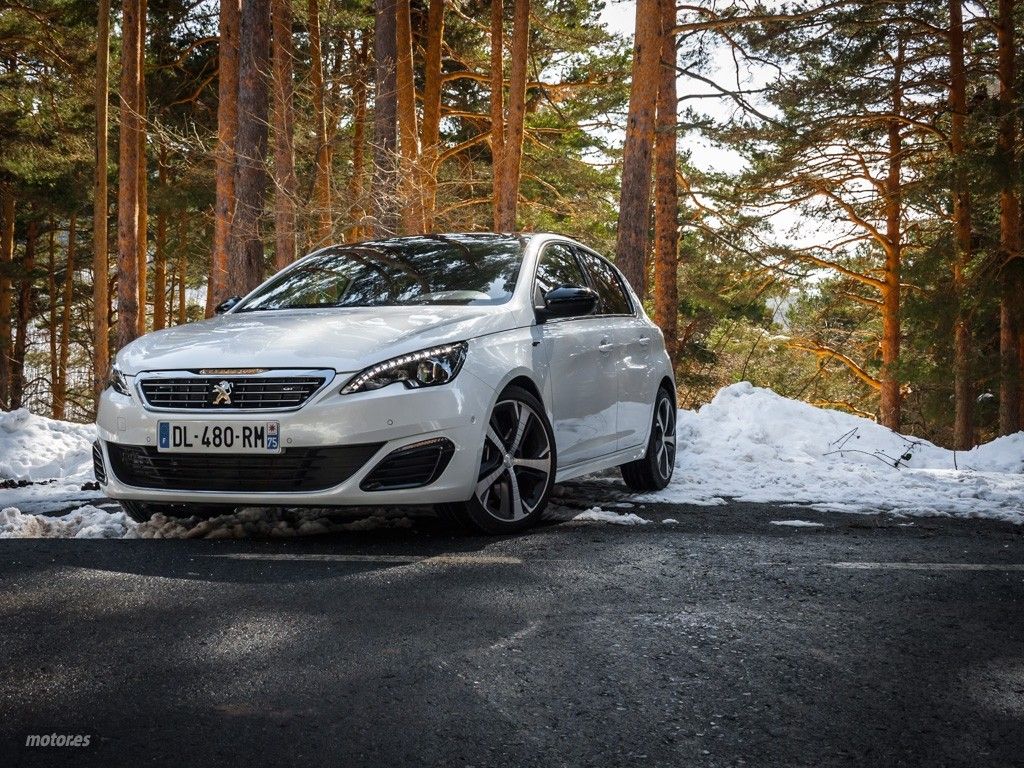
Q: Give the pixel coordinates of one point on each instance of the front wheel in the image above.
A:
(517, 469)
(654, 470)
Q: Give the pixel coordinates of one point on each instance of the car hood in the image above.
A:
(345, 339)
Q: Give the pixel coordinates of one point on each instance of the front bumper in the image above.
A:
(392, 417)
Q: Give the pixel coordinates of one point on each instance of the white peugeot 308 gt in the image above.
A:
(467, 371)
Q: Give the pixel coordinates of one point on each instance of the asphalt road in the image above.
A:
(719, 641)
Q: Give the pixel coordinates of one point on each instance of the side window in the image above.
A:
(608, 285)
(558, 266)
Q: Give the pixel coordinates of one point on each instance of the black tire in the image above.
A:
(519, 470)
(654, 471)
(137, 510)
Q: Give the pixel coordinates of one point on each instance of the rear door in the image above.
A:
(632, 342)
(582, 377)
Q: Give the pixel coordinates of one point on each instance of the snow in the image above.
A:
(748, 444)
(598, 515)
(797, 524)
(752, 445)
(34, 448)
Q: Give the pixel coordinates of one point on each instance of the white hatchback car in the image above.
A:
(468, 371)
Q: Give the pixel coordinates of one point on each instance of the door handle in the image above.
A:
(644, 341)
(605, 346)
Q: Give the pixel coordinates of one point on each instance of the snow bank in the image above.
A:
(34, 448)
(753, 445)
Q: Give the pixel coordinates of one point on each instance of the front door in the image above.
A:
(581, 369)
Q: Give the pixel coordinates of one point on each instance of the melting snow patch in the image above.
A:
(798, 524)
(87, 522)
(598, 515)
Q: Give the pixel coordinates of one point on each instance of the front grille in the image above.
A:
(292, 470)
(98, 469)
(242, 392)
(411, 467)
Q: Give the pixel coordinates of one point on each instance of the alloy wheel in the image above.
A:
(665, 438)
(517, 462)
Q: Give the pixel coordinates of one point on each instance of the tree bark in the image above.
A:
(24, 316)
(100, 262)
(143, 250)
(128, 178)
(52, 335)
(227, 130)
(322, 169)
(431, 128)
(182, 268)
(385, 109)
(635, 197)
(890, 389)
(160, 250)
(246, 265)
(497, 109)
(60, 394)
(6, 302)
(356, 182)
(1010, 311)
(408, 130)
(666, 197)
(512, 161)
(285, 183)
(963, 358)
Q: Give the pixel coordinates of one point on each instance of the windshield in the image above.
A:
(450, 269)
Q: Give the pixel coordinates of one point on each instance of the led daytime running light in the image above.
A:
(362, 378)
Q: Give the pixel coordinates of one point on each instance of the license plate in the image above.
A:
(219, 437)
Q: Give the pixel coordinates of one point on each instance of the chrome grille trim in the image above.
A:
(268, 391)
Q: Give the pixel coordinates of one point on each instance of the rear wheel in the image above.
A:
(517, 469)
(654, 470)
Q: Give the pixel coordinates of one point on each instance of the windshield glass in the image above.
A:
(450, 269)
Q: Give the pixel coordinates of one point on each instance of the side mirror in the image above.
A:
(567, 301)
(227, 304)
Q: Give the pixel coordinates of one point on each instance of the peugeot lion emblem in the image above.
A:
(222, 393)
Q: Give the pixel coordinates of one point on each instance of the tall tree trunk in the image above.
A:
(963, 358)
(143, 251)
(60, 395)
(128, 178)
(497, 110)
(356, 182)
(635, 197)
(6, 263)
(52, 334)
(408, 130)
(182, 267)
(322, 169)
(227, 130)
(385, 113)
(160, 250)
(246, 267)
(666, 195)
(1010, 310)
(890, 389)
(285, 183)
(431, 129)
(515, 121)
(24, 315)
(100, 260)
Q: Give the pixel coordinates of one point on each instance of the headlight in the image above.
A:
(117, 381)
(426, 368)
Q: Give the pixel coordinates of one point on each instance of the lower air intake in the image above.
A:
(293, 470)
(413, 466)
